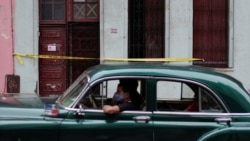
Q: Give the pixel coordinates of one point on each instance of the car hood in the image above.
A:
(12, 107)
(25, 101)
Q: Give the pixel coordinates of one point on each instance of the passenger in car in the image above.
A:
(194, 106)
(125, 98)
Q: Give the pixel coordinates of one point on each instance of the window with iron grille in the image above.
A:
(136, 28)
(86, 10)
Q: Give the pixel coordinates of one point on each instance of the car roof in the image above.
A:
(224, 85)
(157, 69)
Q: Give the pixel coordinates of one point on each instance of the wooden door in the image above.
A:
(67, 27)
(146, 28)
(154, 28)
(84, 42)
(52, 72)
(210, 31)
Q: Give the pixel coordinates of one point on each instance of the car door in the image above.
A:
(87, 121)
(209, 121)
(97, 126)
(241, 126)
(190, 127)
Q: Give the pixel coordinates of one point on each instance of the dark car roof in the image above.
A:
(156, 69)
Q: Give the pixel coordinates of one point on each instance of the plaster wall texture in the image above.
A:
(179, 35)
(241, 42)
(26, 42)
(6, 42)
(180, 29)
(114, 41)
(114, 35)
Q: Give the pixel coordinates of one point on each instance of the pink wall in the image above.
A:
(6, 41)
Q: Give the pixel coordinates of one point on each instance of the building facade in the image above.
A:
(6, 41)
(215, 31)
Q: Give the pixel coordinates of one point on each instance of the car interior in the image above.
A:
(170, 95)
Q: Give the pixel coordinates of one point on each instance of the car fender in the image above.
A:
(218, 133)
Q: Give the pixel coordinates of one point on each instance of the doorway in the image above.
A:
(83, 42)
(67, 28)
(146, 28)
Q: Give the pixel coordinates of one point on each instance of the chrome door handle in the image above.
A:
(142, 118)
(224, 120)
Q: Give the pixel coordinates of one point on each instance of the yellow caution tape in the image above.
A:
(19, 58)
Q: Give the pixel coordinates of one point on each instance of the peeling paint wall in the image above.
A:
(6, 41)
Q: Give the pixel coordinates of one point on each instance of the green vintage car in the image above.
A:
(222, 111)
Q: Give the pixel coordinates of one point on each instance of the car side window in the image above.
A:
(183, 96)
(208, 102)
(101, 94)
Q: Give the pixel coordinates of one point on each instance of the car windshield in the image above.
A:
(71, 94)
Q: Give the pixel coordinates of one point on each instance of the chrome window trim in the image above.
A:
(119, 77)
(101, 111)
(206, 114)
(123, 112)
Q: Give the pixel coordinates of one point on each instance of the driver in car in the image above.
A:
(125, 98)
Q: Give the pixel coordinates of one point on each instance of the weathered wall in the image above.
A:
(241, 41)
(178, 29)
(26, 42)
(114, 28)
(6, 41)
(179, 35)
(114, 36)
